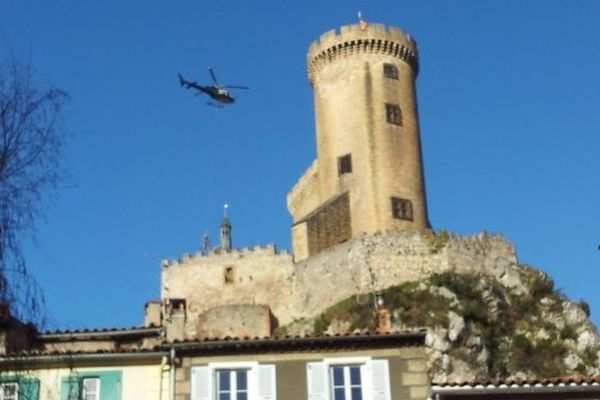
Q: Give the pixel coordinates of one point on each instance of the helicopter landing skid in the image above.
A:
(214, 104)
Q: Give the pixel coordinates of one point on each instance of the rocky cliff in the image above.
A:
(480, 325)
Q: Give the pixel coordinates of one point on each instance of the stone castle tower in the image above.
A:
(368, 175)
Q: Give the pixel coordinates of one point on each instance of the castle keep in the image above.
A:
(368, 175)
(359, 212)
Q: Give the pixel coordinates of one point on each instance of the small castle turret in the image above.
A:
(225, 231)
(368, 176)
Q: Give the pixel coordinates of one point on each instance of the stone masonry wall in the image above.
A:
(251, 320)
(374, 262)
(248, 276)
(301, 290)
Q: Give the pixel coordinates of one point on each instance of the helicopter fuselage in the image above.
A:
(217, 92)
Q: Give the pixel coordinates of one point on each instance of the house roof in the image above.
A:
(99, 333)
(561, 380)
(230, 345)
(36, 356)
(573, 385)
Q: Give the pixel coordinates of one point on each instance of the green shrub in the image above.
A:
(541, 285)
(437, 240)
(557, 306)
(416, 307)
(321, 324)
(568, 332)
(589, 357)
(545, 358)
(585, 306)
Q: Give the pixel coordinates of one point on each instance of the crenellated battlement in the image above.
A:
(217, 255)
(356, 39)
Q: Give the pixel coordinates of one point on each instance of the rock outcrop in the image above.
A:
(480, 325)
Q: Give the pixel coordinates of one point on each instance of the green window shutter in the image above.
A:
(110, 385)
(69, 388)
(29, 389)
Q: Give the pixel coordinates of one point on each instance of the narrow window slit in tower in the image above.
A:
(229, 275)
(393, 114)
(344, 164)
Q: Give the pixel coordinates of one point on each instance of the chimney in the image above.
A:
(175, 318)
(383, 318)
(153, 314)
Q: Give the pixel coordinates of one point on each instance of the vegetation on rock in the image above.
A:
(437, 240)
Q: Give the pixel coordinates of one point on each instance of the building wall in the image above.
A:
(251, 320)
(303, 289)
(140, 382)
(407, 367)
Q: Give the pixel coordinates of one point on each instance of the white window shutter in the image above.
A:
(201, 383)
(316, 376)
(380, 379)
(267, 387)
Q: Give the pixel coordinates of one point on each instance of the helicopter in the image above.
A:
(216, 91)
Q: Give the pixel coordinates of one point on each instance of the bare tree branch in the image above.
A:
(31, 141)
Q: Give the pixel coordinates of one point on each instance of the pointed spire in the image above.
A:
(225, 230)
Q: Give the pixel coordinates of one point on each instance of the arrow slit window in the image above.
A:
(344, 164)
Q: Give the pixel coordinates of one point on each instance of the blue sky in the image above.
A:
(508, 100)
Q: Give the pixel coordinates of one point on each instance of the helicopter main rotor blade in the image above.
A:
(213, 76)
(235, 87)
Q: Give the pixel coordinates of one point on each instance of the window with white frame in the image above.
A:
(355, 378)
(90, 389)
(232, 384)
(234, 381)
(346, 382)
(9, 391)
(91, 385)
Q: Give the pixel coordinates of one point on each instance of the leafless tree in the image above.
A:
(31, 140)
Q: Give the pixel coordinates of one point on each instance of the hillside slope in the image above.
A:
(479, 327)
